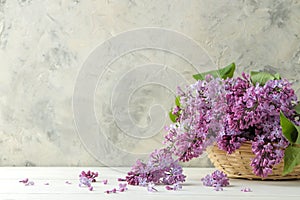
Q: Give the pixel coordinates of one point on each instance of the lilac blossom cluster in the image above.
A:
(217, 179)
(231, 112)
(161, 168)
(254, 115)
(197, 123)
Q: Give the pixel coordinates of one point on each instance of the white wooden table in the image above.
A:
(10, 188)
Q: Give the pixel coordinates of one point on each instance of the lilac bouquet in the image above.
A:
(218, 109)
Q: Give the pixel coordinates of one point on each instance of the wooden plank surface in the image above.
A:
(10, 188)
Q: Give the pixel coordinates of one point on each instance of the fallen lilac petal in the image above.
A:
(111, 191)
(177, 186)
(246, 190)
(46, 184)
(121, 179)
(91, 188)
(105, 181)
(68, 182)
(151, 188)
(218, 188)
(84, 181)
(24, 181)
(169, 187)
(122, 185)
(29, 183)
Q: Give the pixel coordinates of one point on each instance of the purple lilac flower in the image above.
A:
(176, 186)
(122, 187)
(176, 111)
(90, 175)
(143, 181)
(217, 179)
(138, 172)
(84, 181)
(86, 178)
(267, 153)
(230, 140)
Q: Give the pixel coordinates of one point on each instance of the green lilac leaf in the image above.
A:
(289, 129)
(298, 134)
(226, 72)
(291, 159)
(297, 108)
(263, 77)
(172, 117)
(277, 76)
(177, 101)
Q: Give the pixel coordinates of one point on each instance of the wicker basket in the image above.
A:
(237, 164)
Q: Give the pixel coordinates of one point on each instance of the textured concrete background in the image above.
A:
(43, 45)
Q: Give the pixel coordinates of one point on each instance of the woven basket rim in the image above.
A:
(237, 164)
